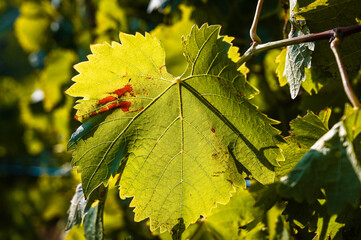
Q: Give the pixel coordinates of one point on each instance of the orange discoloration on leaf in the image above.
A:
(127, 88)
(124, 105)
(114, 103)
(107, 100)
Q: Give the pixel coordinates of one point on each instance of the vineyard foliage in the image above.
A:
(172, 137)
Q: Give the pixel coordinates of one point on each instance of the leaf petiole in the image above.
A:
(335, 43)
(253, 30)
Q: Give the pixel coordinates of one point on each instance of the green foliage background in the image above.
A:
(40, 41)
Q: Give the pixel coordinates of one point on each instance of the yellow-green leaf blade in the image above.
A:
(178, 147)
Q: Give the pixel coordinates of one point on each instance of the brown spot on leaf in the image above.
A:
(230, 181)
(213, 131)
(161, 67)
(138, 110)
(102, 194)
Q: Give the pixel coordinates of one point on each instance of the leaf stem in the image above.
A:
(257, 49)
(335, 43)
(253, 30)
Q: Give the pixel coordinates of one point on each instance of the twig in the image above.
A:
(257, 49)
(253, 30)
(335, 43)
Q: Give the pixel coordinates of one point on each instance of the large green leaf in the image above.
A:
(330, 164)
(183, 140)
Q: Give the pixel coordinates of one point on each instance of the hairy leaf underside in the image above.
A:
(180, 143)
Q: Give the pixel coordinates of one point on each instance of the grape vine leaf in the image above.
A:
(313, 220)
(110, 19)
(298, 56)
(322, 15)
(171, 38)
(305, 131)
(330, 164)
(228, 221)
(51, 82)
(32, 27)
(88, 212)
(281, 63)
(181, 141)
(328, 226)
(93, 222)
(353, 128)
(77, 209)
(309, 85)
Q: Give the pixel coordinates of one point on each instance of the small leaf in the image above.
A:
(93, 222)
(298, 55)
(81, 207)
(305, 131)
(308, 129)
(77, 209)
(330, 164)
(297, 59)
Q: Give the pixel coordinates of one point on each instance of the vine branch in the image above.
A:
(253, 30)
(335, 43)
(256, 49)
